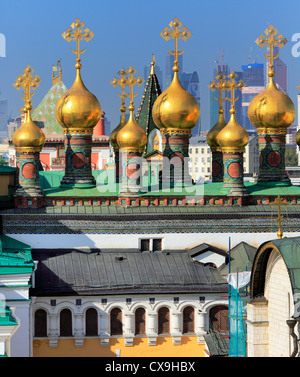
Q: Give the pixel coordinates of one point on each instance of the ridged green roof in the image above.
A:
(144, 113)
(45, 111)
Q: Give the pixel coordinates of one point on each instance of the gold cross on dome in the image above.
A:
(220, 85)
(122, 82)
(279, 201)
(131, 81)
(232, 85)
(76, 33)
(28, 83)
(271, 40)
(176, 31)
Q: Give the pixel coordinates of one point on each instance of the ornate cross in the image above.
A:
(122, 82)
(176, 31)
(77, 34)
(221, 86)
(232, 85)
(131, 81)
(29, 85)
(271, 40)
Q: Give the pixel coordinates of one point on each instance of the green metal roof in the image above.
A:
(15, 256)
(242, 256)
(6, 316)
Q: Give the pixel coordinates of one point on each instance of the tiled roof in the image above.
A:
(45, 111)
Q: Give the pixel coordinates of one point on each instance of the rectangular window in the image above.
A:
(145, 245)
(157, 244)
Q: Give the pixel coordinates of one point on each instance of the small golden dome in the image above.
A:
(271, 108)
(211, 137)
(176, 107)
(78, 108)
(29, 135)
(233, 135)
(114, 134)
(131, 136)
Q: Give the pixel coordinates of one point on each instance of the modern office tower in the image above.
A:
(253, 77)
(3, 117)
(190, 82)
(169, 71)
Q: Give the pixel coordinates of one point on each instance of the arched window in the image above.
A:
(188, 320)
(91, 322)
(40, 323)
(65, 321)
(116, 327)
(164, 320)
(219, 318)
(140, 321)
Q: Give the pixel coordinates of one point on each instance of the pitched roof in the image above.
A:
(242, 257)
(121, 271)
(45, 111)
(217, 343)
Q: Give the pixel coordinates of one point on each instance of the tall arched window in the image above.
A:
(164, 320)
(40, 323)
(140, 321)
(219, 318)
(188, 320)
(116, 327)
(65, 320)
(91, 322)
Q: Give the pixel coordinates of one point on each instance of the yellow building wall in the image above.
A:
(92, 348)
(5, 181)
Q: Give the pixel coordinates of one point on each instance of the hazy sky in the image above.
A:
(128, 32)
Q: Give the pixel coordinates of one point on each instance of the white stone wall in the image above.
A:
(278, 292)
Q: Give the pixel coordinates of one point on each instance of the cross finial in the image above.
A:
(271, 40)
(220, 84)
(77, 34)
(131, 81)
(176, 31)
(279, 201)
(29, 85)
(232, 85)
(122, 82)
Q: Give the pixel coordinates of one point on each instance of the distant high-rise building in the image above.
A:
(3, 116)
(190, 82)
(254, 78)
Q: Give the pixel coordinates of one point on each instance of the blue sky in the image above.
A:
(128, 32)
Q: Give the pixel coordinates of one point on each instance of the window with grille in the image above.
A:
(188, 320)
(164, 321)
(91, 322)
(219, 318)
(116, 327)
(157, 244)
(40, 323)
(145, 245)
(65, 320)
(140, 321)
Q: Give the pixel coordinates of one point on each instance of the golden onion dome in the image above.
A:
(233, 135)
(176, 107)
(271, 108)
(211, 137)
(114, 134)
(78, 108)
(131, 136)
(29, 135)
